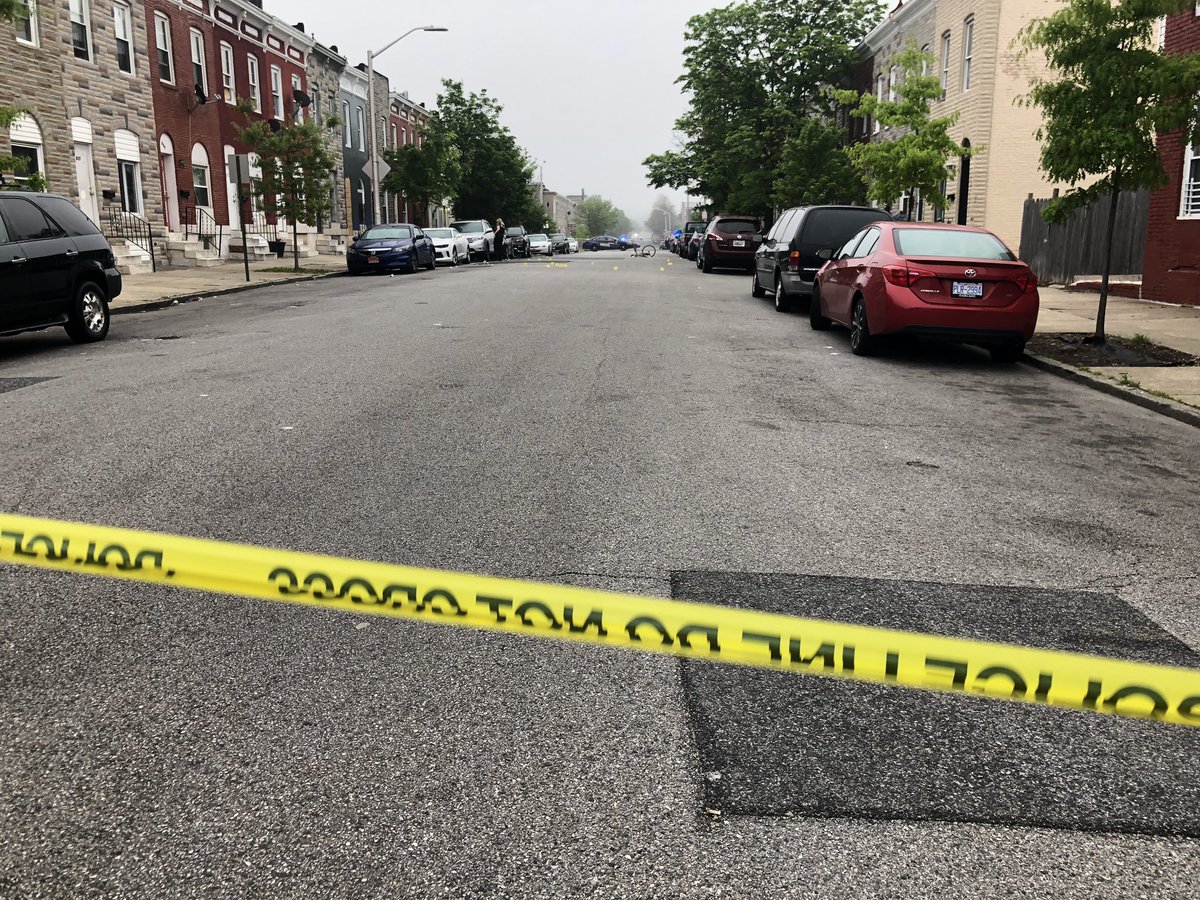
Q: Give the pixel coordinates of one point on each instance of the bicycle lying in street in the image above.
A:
(646, 251)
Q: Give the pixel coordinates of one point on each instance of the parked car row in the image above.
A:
(876, 276)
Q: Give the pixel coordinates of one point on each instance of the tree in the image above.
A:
(595, 215)
(1114, 93)
(815, 167)
(495, 172)
(427, 173)
(915, 159)
(296, 169)
(757, 73)
(657, 221)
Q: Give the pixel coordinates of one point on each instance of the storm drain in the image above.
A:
(13, 384)
(779, 744)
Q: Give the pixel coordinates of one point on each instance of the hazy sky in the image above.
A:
(587, 89)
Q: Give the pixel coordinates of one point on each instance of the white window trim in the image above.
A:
(945, 63)
(297, 85)
(208, 187)
(277, 92)
(35, 35)
(1189, 154)
(347, 126)
(160, 19)
(253, 76)
(228, 76)
(85, 12)
(119, 7)
(202, 62)
(41, 158)
(968, 51)
(137, 186)
(360, 119)
(893, 78)
(879, 97)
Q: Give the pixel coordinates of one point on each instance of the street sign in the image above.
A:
(231, 165)
(384, 168)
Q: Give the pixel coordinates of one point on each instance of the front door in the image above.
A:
(170, 189)
(85, 177)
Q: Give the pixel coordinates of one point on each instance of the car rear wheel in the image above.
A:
(782, 303)
(816, 318)
(454, 257)
(862, 342)
(88, 319)
(756, 289)
(705, 263)
(1007, 353)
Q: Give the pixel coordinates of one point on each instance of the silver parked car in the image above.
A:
(449, 245)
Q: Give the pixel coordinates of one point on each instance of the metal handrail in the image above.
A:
(198, 220)
(260, 226)
(131, 228)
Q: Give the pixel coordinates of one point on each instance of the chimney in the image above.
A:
(299, 26)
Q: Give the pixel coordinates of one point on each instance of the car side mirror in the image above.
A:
(825, 253)
(758, 238)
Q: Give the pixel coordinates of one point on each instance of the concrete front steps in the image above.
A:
(190, 253)
(131, 259)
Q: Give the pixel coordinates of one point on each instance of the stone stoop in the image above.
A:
(259, 250)
(131, 260)
(331, 244)
(190, 253)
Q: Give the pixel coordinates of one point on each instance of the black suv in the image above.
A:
(517, 240)
(786, 261)
(686, 247)
(56, 268)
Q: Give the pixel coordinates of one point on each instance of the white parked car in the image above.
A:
(540, 243)
(572, 245)
(450, 246)
(479, 233)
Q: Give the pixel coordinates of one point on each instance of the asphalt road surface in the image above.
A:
(603, 421)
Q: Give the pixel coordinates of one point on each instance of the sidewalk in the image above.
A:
(186, 284)
(1177, 327)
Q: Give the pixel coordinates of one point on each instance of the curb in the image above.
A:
(193, 296)
(1170, 408)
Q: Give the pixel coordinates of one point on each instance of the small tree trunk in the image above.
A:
(1098, 337)
(295, 249)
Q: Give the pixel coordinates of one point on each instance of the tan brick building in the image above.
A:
(79, 67)
(975, 45)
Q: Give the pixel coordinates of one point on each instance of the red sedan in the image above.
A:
(948, 282)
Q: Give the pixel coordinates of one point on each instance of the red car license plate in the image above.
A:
(739, 243)
(372, 259)
(968, 290)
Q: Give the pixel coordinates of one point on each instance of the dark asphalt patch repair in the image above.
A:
(779, 744)
(13, 384)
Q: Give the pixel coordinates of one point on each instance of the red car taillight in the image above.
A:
(713, 236)
(903, 276)
(794, 261)
(1027, 282)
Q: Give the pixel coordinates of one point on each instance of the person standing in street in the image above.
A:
(498, 239)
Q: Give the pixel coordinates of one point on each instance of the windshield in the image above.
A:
(950, 242)
(440, 232)
(387, 233)
(558, 237)
(538, 237)
(469, 227)
(516, 230)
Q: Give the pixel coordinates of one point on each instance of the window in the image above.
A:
(131, 186)
(316, 102)
(228, 83)
(945, 63)
(404, 137)
(968, 48)
(867, 247)
(162, 41)
(28, 222)
(199, 66)
(201, 182)
(1190, 205)
(944, 242)
(878, 96)
(1160, 33)
(123, 33)
(346, 123)
(276, 92)
(361, 122)
(67, 215)
(395, 136)
(29, 160)
(893, 80)
(925, 62)
(81, 38)
(27, 23)
(252, 78)
(297, 109)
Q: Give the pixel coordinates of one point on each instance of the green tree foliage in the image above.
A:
(913, 155)
(495, 172)
(297, 168)
(816, 168)
(757, 73)
(594, 215)
(429, 173)
(1111, 94)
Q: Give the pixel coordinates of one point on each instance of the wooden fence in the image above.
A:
(1058, 254)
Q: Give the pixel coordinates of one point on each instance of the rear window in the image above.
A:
(948, 242)
(833, 227)
(736, 226)
(469, 227)
(518, 230)
(68, 216)
(388, 233)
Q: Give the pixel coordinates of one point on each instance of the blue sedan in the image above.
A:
(387, 247)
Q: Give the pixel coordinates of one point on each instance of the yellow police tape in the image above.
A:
(698, 631)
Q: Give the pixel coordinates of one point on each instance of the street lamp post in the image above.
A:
(371, 113)
(666, 221)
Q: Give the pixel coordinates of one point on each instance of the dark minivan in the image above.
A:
(786, 262)
(56, 268)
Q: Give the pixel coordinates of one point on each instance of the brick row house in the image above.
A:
(976, 54)
(1171, 263)
(132, 113)
(79, 68)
